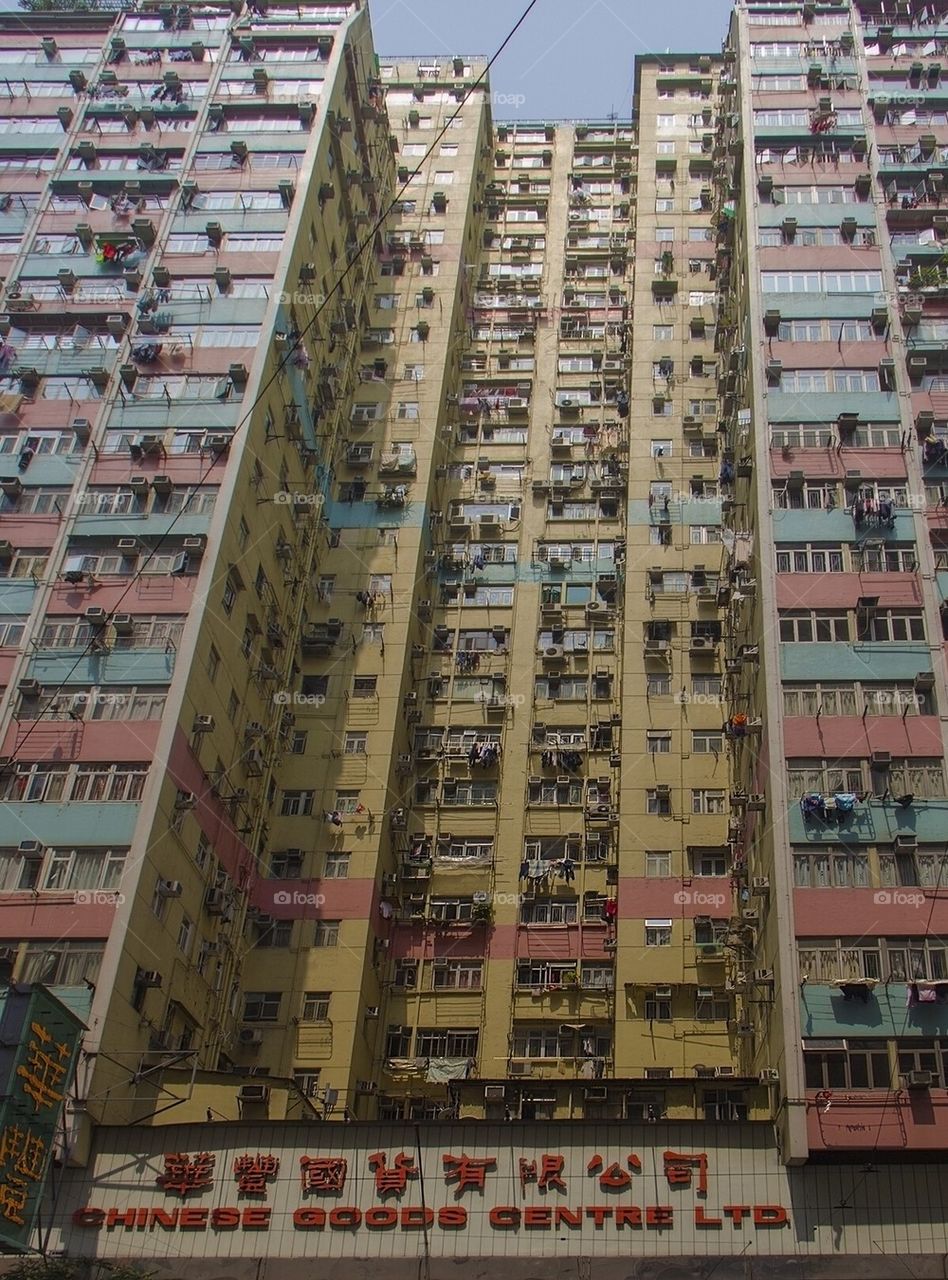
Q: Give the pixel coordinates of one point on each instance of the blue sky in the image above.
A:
(568, 61)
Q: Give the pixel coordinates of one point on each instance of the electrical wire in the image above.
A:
(292, 347)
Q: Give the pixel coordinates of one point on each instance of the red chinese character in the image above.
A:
(396, 1178)
(467, 1171)
(678, 1169)
(319, 1173)
(184, 1174)
(615, 1178)
(252, 1172)
(550, 1174)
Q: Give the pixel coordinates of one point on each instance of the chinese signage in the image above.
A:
(390, 1175)
(39, 1043)
(335, 1191)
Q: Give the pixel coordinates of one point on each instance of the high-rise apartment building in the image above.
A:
(831, 381)
(473, 643)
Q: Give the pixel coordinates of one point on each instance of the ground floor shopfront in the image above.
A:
(266, 1201)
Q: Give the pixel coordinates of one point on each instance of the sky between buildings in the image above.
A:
(571, 59)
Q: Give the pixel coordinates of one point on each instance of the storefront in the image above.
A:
(230, 1194)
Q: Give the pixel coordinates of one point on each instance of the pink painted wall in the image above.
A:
(86, 740)
(22, 915)
(843, 590)
(31, 531)
(839, 737)
(186, 469)
(818, 355)
(213, 816)
(790, 257)
(822, 464)
(150, 594)
(460, 941)
(913, 1120)
(317, 900)
(821, 913)
(678, 899)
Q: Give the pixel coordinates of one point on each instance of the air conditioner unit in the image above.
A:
(170, 888)
(29, 688)
(495, 1093)
(723, 1072)
(252, 1093)
(881, 760)
(481, 895)
(919, 1079)
(750, 915)
(29, 848)
(372, 1011)
(215, 901)
(760, 886)
(764, 975)
(553, 653)
(185, 800)
(249, 1036)
(905, 844)
(148, 978)
(596, 1095)
(769, 1076)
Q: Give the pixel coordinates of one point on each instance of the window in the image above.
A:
(658, 1005)
(66, 964)
(707, 741)
(658, 865)
(658, 743)
(724, 1105)
(354, 744)
(326, 933)
(261, 1006)
(711, 1006)
(657, 802)
(808, 559)
(889, 625)
(821, 282)
(297, 804)
(336, 866)
(444, 1043)
(185, 935)
(817, 627)
(709, 862)
(707, 801)
(315, 1006)
(364, 686)
(457, 975)
(658, 933)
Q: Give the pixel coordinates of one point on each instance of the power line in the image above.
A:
(292, 347)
